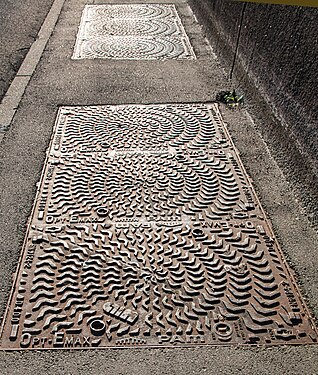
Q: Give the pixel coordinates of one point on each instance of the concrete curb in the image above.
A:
(16, 90)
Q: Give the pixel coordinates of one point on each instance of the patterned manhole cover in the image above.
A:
(132, 31)
(146, 232)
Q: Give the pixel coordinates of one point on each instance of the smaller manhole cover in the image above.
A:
(134, 31)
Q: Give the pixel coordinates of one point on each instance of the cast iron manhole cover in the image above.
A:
(132, 31)
(146, 232)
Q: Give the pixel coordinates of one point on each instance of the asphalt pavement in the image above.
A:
(20, 22)
(59, 80)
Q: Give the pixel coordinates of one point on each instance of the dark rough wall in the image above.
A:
(279, 46)
(277, 55)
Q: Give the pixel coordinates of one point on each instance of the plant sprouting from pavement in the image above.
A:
(230, 98)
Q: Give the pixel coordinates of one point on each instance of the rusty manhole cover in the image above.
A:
(146, 232)
(132, 31)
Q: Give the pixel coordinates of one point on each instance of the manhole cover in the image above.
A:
(146, 232)
(132, 31)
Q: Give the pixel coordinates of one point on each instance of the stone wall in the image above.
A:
(276, 65)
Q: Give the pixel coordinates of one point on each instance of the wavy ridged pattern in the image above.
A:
(146, 232)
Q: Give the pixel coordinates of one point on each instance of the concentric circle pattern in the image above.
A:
(132, 32)
(151, 162)
(133, 48)
(143, 127)
(132, 27)
(136, 11)
(146, 186)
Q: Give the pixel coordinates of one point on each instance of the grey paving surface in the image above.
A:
(61, 81)
(12, 97)
(20, 22)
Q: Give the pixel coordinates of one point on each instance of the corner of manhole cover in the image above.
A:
(146, 232)
(132, 31)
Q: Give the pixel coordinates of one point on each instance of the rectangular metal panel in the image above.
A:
(132, 31)
(147, 232)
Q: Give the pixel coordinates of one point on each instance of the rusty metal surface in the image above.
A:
(132, 31)
(146, 232)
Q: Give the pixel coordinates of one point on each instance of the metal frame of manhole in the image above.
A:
(146, 232)
(133, 32)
